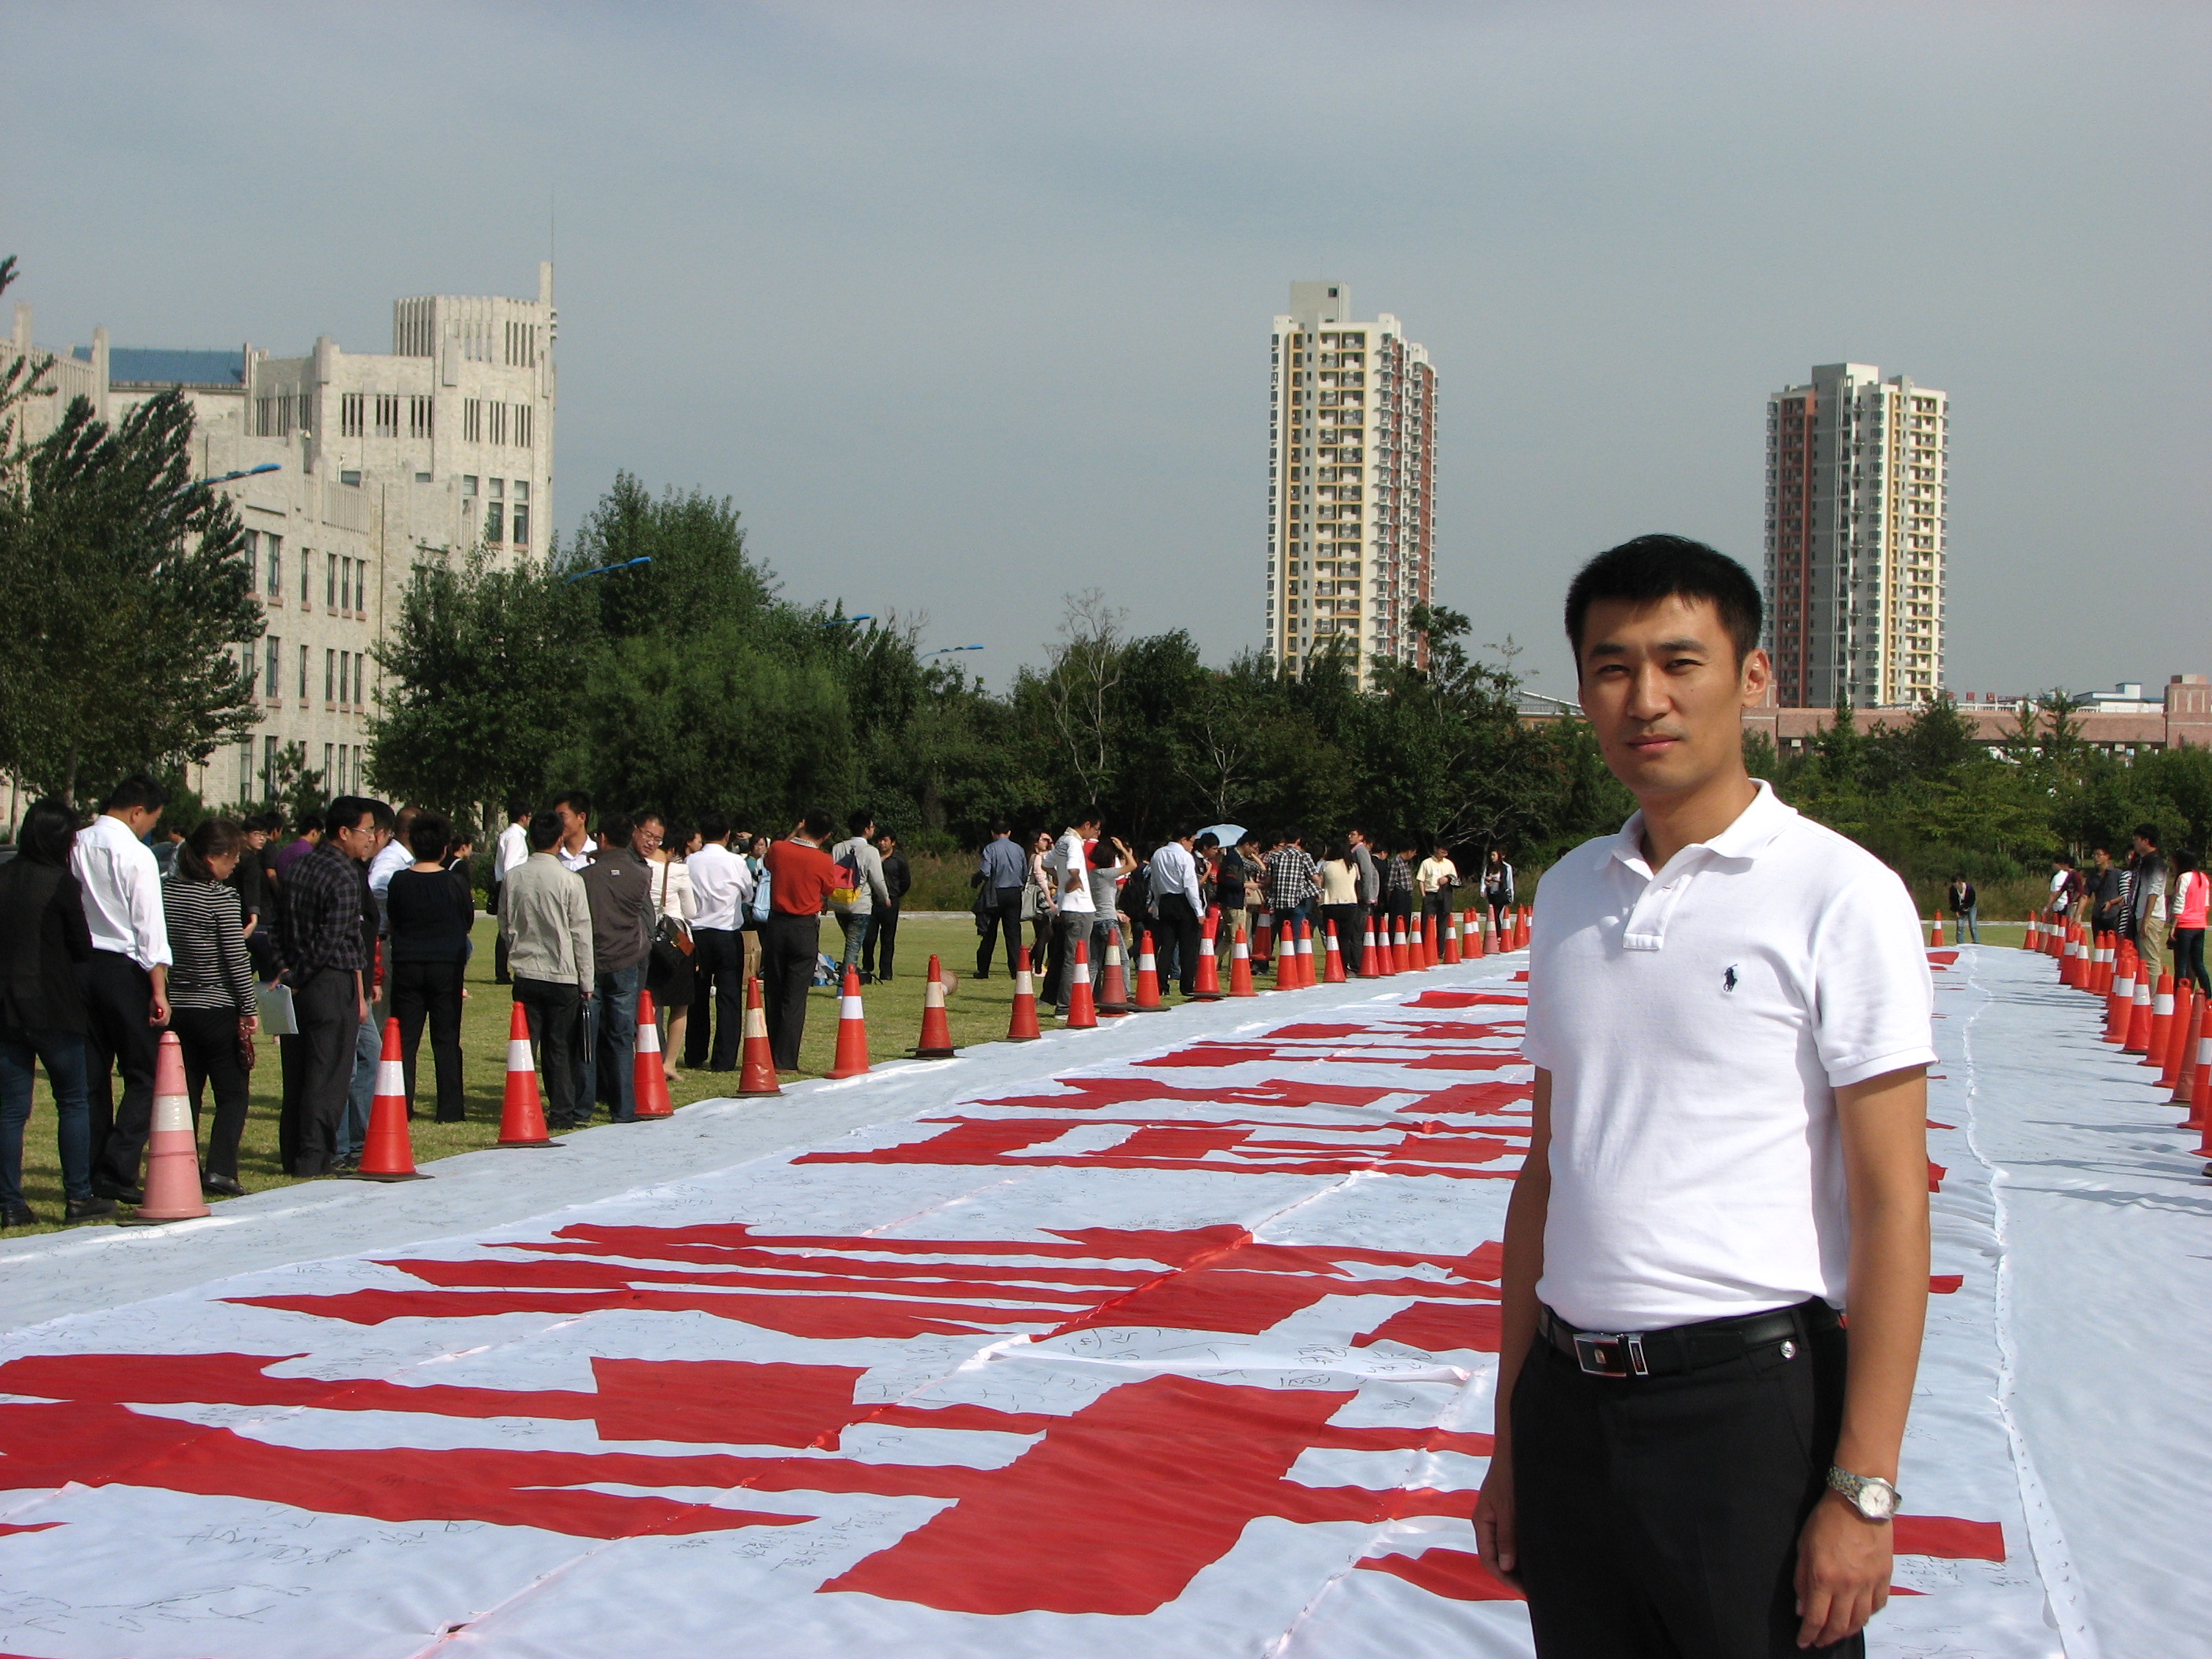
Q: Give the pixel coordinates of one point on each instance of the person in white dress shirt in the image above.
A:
(574, 808)
(126, 989)
(513, 847)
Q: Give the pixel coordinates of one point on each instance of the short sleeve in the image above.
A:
(1872, 994)
(1536, 1044)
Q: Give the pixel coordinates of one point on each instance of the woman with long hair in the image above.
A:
(212, 1006)
(1037, 906)
(43, 936)
(430, 908)
(1339, 902)
(2192, 890)
(664, 847)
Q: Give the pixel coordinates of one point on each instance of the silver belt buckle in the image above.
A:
(1602, 1353)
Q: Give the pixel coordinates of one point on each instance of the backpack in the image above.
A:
(847, 890)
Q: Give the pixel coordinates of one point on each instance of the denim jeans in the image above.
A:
(67, 1058)
(610, 1043)
(859, 929)
(361, 1094)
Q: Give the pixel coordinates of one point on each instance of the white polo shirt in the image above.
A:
(1697, 1023)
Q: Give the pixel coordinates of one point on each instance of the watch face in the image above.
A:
(1877, 1500)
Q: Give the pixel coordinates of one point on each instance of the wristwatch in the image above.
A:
(1870, 1495)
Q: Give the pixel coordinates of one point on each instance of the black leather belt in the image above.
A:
(1683, 1348)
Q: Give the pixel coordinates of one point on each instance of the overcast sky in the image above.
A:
(966, 306)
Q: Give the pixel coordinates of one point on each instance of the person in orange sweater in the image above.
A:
(800, 875)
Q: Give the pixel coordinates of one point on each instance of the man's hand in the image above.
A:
(1495, 1534)
(157, 1009)
(1844, 1563)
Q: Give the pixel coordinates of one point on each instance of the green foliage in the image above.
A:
(124, 597)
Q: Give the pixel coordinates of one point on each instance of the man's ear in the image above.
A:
(1758, 675)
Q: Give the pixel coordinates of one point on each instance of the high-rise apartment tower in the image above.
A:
(1351, 435)
(1856, 494)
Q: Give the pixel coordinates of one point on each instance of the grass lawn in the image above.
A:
(978, 1011)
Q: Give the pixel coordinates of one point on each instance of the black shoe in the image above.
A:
(456, 1117)
(347, 1164)
(221, 1186)
(120, 1194)
(89, 1209)
(18, 1215)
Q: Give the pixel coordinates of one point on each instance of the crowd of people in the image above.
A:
(1072, 889)
(2154, 899)
(116, 931)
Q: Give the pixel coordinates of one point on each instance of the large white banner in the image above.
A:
(1188, 1356)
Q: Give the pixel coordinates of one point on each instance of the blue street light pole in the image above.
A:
(265, 466)
(607, 570)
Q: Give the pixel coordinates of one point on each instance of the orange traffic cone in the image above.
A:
(1263, 942)
(2161, 1016)
(522, 1115)
(2119, 1001)
(2186, 1011)
(1393, 949)
(173, 1149)
(1240, 968)
(936, 1029)
(1333, 970)
(2193, 1057)
(1474, 951)
(649, 1077)
(1082, 1009)
(1452, 929)
(1207, 986)
(1306, 977)
(1114, 984)
(1431, 955)
(1148, 978)
(2139, 1016)
(1935, 932)
(1286, 957)
(1370, 964)
(756, 1076)
(1022, 1027)
(388, 1154)
(851, 1058)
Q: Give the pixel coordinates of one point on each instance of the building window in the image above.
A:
(330, 676)
(519, 516)
(360, 680)
(307, 576)
(473, 420)
(245, 767)
(498, 423)
(387, 415)
(303, 673)
(351, 415)
(496, 514)
(267, 767)
(331, 584)
(351, 476)
(419, 410)
(522, 424)
(330, 775)
(276, 566)
(274, 643)
(307, 405)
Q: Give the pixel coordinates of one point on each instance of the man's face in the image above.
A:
(572, 823)
(646, 838)
(360, 841)
(1663, 688)
(140, 820)
(2104, 860)
(257, 839)
(887, 843)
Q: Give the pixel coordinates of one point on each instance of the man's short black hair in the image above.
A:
(615, 829)
(713, 827)
(428, 837)
(2148, 832)
(1000, 827)
(135, 791)
(1654, 567)
(859, 821)
(576, 801)
(546, 830)
(1084, 815)
(347, 811)
(817, 823)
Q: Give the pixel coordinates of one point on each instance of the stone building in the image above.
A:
(350, 469)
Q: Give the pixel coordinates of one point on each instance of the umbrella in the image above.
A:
(1227, 833)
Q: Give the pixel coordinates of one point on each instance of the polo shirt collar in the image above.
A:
(1753, 830)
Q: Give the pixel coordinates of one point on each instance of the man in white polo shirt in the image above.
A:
(1728, 1016)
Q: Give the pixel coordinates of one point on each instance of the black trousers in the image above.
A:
(880, 945)
(2188, 946)
(555, 1011)
(1659, 1516)
(209, 1037)
(432, 991)
(789, 946)
(118, 995)
(718, 998)
(317, 1070)
(1004, 920)
(1179, 921)
(1351, 919)
(1438, 907)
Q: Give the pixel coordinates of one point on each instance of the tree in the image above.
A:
(125, 597)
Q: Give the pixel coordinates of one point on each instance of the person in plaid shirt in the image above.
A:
(325, 963)
(1397, 900)
(1293, 882)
